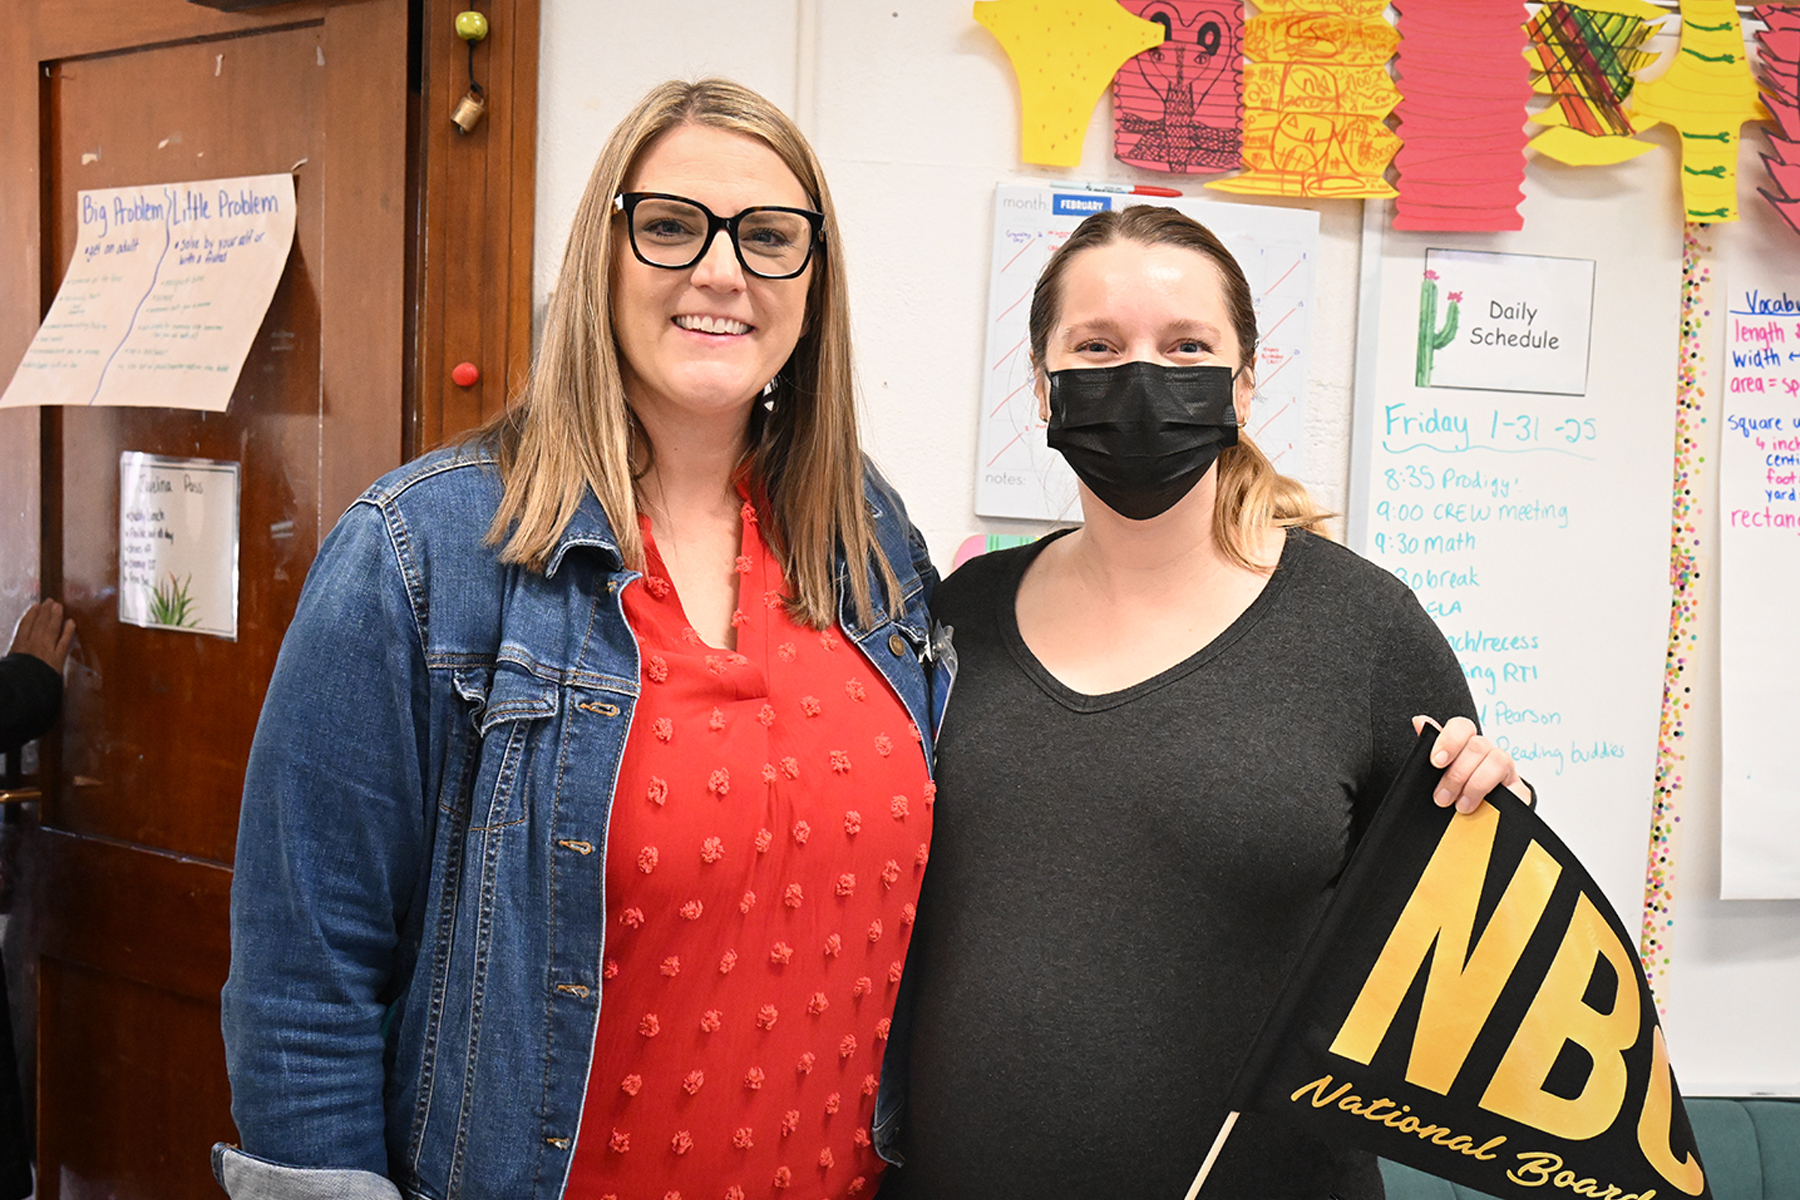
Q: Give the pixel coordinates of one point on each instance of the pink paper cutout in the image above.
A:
(1778, 17)
(1178, 107)
(1780, 42)
(1780, 56)
(1785, 173)
(1787, 118)
(1781, 81)
(1787, 210)
(1465, 84)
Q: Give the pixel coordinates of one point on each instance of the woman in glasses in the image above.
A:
(591, 798)
(1169, 727)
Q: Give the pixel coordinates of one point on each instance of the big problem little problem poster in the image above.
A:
(163, 297)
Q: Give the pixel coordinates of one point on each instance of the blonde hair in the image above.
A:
(1252, 496)
(572, 429)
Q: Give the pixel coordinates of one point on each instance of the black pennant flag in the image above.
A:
(1471, 1005)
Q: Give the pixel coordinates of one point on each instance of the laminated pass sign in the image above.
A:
(178, 544)
(164, 296)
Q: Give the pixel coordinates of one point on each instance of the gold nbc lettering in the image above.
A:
(1438, 924)
(1464, 976)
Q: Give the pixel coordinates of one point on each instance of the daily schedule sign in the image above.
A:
(1759, 572)
(167, 288)
(1504, 322)
(1510, 461)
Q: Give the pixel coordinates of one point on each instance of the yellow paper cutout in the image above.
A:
(1643, 10)
(1065, 54)
(1358, 10)
(1705, 95)
(1311, 87)
(1554, 116)
(1314, 100)
(1326, 37)
(1584, 128)
(1540, 82)
(1579, 149)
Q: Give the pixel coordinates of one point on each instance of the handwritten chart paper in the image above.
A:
(1533, 523)
(164, 296)
(1759, 576)
(178, 544)
(1017, 474)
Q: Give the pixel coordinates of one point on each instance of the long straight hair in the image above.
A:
(572, 429)
(1252, 496)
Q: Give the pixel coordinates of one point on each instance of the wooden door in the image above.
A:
(121, 905)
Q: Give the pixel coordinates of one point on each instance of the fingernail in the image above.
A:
(1439, 759)
(1441, 797)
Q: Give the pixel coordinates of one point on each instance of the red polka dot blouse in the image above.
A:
(769, 833)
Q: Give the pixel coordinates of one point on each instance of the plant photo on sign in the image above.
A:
(170, 604)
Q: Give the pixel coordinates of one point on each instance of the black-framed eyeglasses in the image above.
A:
(674, 232)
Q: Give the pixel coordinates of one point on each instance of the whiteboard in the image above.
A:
(1528, 502)
(1016, 472)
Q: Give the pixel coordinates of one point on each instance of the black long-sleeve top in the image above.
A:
(30, 699)
(1120, 883)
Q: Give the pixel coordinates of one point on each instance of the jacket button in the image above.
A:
(897, 644)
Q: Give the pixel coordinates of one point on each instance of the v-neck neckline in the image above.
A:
(752, 584)
(1006, 614)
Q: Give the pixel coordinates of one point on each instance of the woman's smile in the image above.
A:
(701, 341)
(722, 326)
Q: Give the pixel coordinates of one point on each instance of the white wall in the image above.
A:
(913, 108)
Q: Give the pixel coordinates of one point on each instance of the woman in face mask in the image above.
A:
(1170, 726)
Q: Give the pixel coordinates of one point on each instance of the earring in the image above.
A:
(769, 387)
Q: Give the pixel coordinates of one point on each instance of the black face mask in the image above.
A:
(1141, 435)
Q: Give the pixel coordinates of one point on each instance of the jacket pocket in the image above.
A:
(515, 708)
(516, 696)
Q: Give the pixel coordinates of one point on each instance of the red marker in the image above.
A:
(1131, 189)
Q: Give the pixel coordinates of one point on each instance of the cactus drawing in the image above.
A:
(1430, 341)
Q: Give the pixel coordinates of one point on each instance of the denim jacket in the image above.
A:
(416, 914)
